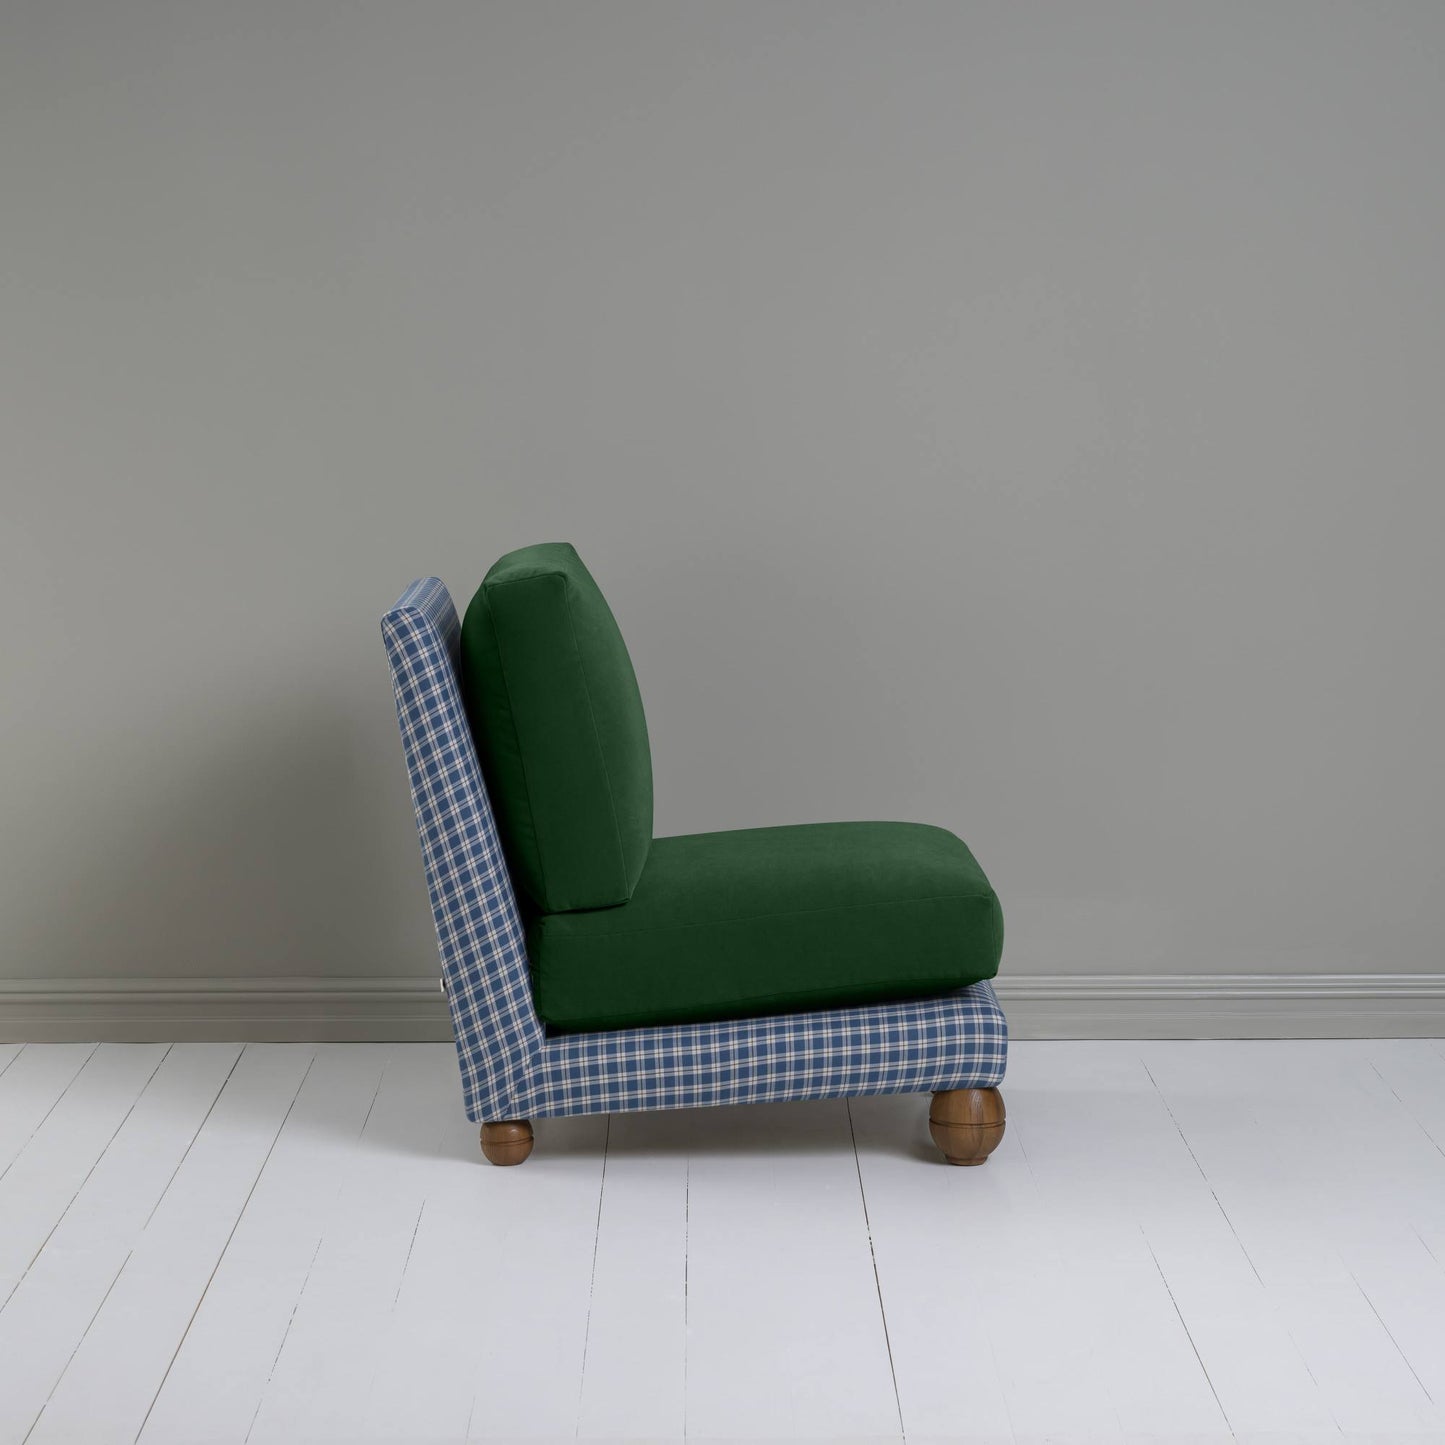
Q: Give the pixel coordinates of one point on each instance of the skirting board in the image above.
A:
(1056, 1006)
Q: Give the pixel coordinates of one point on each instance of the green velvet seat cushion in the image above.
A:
(767, 920)
(557, 717)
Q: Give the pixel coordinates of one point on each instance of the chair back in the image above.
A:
(479, 930)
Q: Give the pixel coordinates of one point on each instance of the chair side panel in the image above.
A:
(956, 1041)
(478, 928)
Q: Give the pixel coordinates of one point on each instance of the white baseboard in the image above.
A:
(1225, 1006)
(282, 1010)
(1054, 1006)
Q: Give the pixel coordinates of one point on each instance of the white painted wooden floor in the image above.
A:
(290, 1243)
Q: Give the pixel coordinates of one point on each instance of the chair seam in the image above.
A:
(767, 997)
(754, 917)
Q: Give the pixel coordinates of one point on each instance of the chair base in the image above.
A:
(966, 1124)
(507, 1141)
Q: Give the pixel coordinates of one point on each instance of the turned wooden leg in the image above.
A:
(507, 1142)
(966, 1124)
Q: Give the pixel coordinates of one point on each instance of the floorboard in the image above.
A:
(635, 1369)
(1315, 1163)
(785, 1333)
(1201, 1241)
(214, 1388)
(527, 1375)
(325, 1364)
(33, 1083)
(121, 1360)
(67, 1282)
(46, 1175)
(453, 1232)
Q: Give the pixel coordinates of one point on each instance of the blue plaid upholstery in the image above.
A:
(513, 1067)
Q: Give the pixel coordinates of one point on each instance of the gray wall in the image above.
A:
(1022, 418)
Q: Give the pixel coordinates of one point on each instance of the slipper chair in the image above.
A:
(592, 968)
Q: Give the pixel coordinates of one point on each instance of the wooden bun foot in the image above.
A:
(966, 1124)
(507, 1142)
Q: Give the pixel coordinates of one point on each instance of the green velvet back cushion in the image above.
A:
(558, 720)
